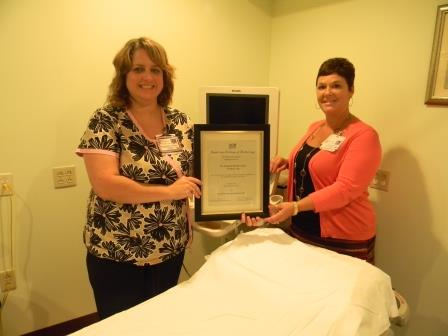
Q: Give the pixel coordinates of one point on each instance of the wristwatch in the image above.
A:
(296, 208)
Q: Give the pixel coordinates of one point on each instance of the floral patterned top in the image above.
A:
(142, 234)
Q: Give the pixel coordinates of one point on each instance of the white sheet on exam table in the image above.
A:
(266, 283)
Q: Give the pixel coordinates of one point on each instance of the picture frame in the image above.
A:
(437, 86)
(232, 161)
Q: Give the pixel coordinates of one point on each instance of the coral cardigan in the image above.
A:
(341, 179)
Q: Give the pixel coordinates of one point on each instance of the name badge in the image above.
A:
(168, 143)
(332, 143)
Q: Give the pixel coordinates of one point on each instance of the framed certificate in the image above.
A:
(232, 161)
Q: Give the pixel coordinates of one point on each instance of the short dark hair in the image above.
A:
(118, 92)
(338, 65)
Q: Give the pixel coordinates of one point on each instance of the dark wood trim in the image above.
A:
(67, 327)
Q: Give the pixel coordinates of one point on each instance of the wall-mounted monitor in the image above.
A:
(242, 105)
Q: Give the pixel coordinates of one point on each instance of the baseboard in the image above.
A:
(67, 327)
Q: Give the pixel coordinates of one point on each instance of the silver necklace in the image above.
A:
(344, 124)
(302, 172)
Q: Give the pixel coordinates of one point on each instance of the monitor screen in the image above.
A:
(241, 105)
(237, 109)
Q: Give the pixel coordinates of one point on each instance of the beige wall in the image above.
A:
(390, 42)
(56, 65)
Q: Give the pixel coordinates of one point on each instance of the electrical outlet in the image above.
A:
(6, 184)
(381, 180)
(64, 176)
(7, 281)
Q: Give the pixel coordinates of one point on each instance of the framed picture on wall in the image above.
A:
(437, 87)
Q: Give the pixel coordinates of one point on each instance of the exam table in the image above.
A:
(265, 282)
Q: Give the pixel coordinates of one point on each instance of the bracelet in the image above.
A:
(296, 208)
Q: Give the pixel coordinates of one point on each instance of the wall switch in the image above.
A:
(6, 184)
(7, 281)
(64, 176)
(381, 180)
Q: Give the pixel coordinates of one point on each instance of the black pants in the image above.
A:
(118, 286)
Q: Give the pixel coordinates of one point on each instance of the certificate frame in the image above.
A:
(437, 86)
(232, 161)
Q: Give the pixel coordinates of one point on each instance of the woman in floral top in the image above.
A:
(138, 155)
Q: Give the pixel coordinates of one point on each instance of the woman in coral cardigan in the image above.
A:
(330, 169)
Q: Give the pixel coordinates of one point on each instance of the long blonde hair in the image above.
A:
(118, 92)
